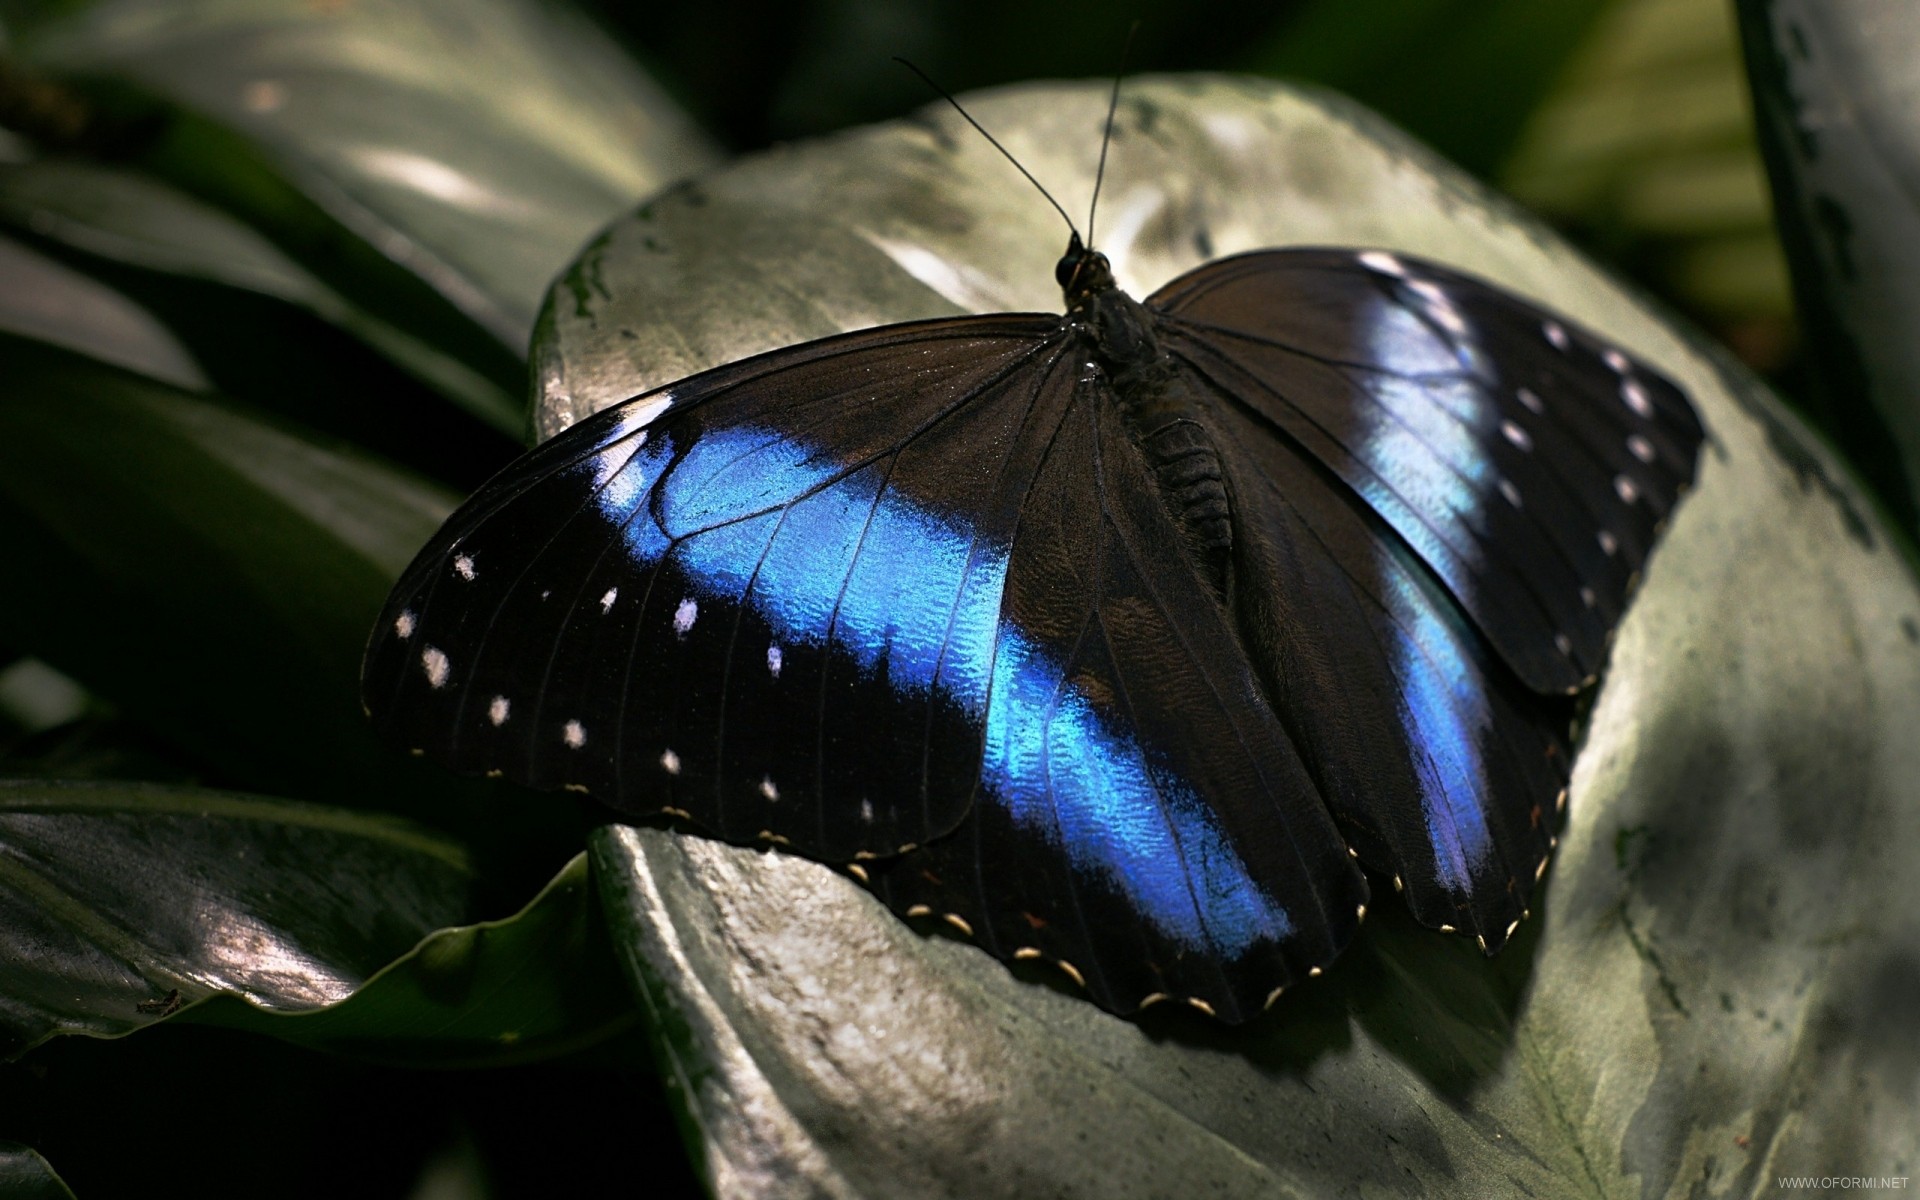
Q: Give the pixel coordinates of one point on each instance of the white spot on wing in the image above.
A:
(574, 735)
(685, 615)
(1382, 263)
(1636, 397)
(606, 601)
(774, 659)
(1609, 543)
(1511, 492)
(1563, 644)
(403, 624)
(767, 788)
(498, 710)
(1531, 399)
(1518, 436)
(866, 811)
(1556, 334)
(670, 762)
(463, 567)
(1624, 488)
(1588, 598)
(433, 661)
(1616, 361)
(1641, 448)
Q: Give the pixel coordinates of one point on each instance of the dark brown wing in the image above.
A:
(1528, 463)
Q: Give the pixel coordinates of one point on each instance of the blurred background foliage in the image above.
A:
(1624, 122)
(265, 369)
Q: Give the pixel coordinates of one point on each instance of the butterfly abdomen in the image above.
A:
(1160, 410)
(1187, 466)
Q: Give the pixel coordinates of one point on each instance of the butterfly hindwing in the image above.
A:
(1526, 462)
(1142, 816)
(1442, 769)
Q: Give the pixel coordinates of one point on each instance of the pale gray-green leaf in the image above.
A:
(1718, 984)
(1837, 95)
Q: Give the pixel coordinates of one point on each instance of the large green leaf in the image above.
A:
(532, 986)
(1725, 924)
(122, 902)
(1836, 87)
(435, 161)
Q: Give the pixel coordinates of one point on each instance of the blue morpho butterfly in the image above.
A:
(1119, 640)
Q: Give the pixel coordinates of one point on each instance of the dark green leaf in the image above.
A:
(1834, 87)
(266, 330)
(187, 1111)
(541, 983)
(192, 560)
(24, 1175)
(473, 143)
(122, 903)
(216, 576)
(95, 747)
(1644, 148)
(758, 71)
(1726, 919)
(1461, 75)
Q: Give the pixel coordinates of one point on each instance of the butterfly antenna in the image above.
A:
(1106, 139)
(948, 97)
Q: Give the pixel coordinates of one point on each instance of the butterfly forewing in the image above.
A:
(1528, 464)
(717, 606)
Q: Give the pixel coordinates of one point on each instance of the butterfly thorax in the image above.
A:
(1157, 401)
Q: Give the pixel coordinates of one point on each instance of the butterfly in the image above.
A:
(1121, 640)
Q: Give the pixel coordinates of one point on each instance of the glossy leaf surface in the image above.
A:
(124, 903)
(1728, 882)
(534, 985)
